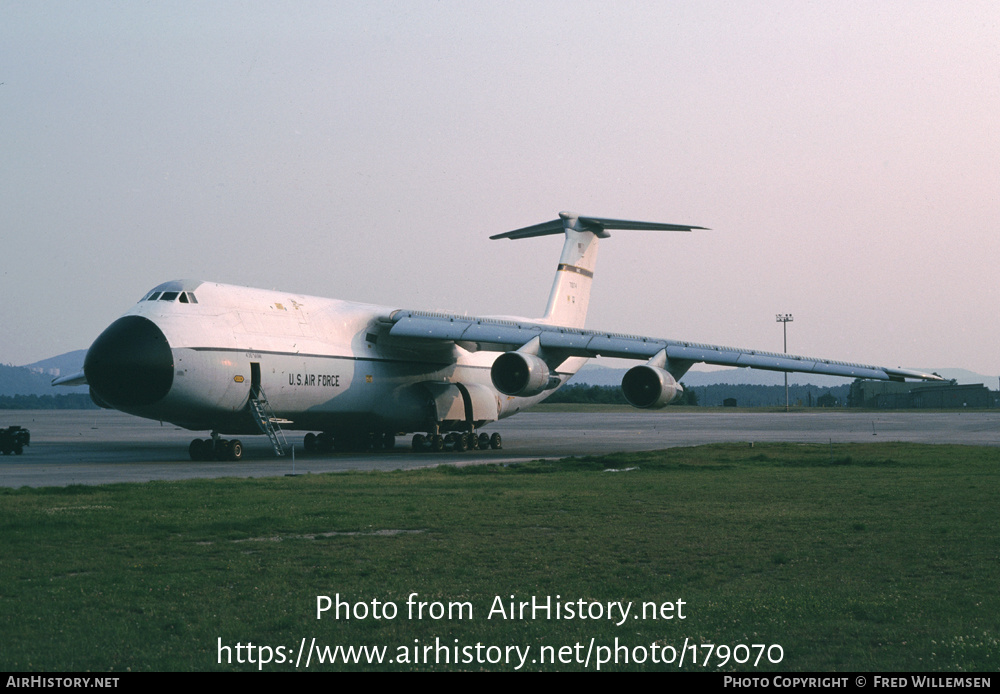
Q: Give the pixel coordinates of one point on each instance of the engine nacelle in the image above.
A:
(650, 387)
(518, 373)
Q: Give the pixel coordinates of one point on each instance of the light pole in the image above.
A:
(785, 319)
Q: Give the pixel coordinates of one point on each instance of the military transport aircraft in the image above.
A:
(238, 361)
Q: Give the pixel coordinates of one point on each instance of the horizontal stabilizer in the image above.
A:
(598, 225)
(543, 229)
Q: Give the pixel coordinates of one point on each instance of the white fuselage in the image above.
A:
(322, 364)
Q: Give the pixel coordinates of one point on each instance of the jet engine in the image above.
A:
(650, 387)
(519, 373)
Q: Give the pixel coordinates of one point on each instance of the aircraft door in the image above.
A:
(254, 379)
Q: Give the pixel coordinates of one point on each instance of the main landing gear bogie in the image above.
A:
(216, 449)
(220, 449)
(347, 442)
(456, 441)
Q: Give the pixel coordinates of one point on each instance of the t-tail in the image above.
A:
(570, 295)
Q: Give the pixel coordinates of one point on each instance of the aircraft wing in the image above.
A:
(77, 379)
(502, 335)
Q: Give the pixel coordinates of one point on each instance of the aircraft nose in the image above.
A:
(130, 364)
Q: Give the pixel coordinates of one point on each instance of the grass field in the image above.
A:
(881, 557)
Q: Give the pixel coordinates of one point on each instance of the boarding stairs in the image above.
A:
(268, 423)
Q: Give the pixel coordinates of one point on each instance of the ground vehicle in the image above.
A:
(13, 439)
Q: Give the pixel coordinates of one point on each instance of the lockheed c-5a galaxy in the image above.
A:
(240, 361)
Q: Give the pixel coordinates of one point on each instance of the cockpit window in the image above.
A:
(176, 293)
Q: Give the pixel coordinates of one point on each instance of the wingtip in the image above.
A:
(75, 379)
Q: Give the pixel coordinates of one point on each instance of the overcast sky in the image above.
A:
(845, 155)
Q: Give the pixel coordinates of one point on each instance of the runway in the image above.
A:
(99, 447)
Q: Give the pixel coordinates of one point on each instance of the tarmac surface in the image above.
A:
(100, 446)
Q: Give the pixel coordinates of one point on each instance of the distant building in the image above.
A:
(898, 396)
(863, 392)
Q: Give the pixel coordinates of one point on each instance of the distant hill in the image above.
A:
(36, 379)
(60, 365)
(17, 380)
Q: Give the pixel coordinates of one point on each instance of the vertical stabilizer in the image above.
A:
(570, 295)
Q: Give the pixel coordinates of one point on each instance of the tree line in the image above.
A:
(66, 401)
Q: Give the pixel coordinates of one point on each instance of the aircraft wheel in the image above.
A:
(309, 442)
(418, 442)
(351, 443)
(324, 443)
(496, 442)
(461, 443)
(204, 449)
(222, 450)
(235, 450)
(437, 443)
(473, 441)
(195, 450)
(484, 441)
(388, 441)
(18, 450)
